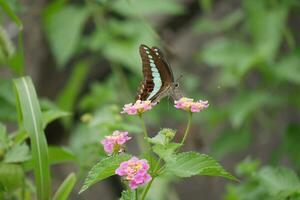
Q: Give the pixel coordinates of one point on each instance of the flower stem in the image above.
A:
(187, 129)
(145, 133)
(136, 194)
(147, 189)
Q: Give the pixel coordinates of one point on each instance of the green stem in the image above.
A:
(187, 129)
(136, 194)
(147, 189)
(145, 133)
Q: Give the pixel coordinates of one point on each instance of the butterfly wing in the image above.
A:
(158, 76)
(147, 85)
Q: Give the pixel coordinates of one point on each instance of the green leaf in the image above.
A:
(287, 69)
(211, 26)
(51, 115)
(5, 6)
(280, 181)
(291, 143)
(128, 195)
(103, 169)
(6, 46)
(223, 52)
(60, 154)
(30, 117)
(266, 24)
(4, 140)
(159, 139)
(243, 105)
(67, 97)
(166, 151)
(231, 142)
(65, 188)
(143, 7)
(191, 163)
(63, 29)
(11, 176)
(18, 153)
(56, 155)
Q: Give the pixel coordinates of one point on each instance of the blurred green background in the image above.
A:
(242, 56)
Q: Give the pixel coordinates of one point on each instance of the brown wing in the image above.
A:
(165, 73)
(147, 85)
(163, 66)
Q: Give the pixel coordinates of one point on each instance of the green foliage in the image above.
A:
(163, 137)
(30, 118)
(128, 195)
(6, 46)
(253, 90)
(65, 188)
(11, 176)
(63, 29)
(191, 163)
(265, 183)
(6, 7)
(166, 151)
(103, 169)
(17, 154)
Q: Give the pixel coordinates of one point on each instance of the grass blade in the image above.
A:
(65, 188)
(30, 117)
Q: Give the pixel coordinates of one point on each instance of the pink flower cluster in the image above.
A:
(188, 104)
(138, 107)
(135, 172)
(114, 143)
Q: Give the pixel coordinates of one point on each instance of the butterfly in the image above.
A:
(158, 76)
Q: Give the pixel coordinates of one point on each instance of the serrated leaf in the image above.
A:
(166, 151)
(11, 176)
(65, 188)
(18, 153)
(51, 115)
(63, 29)
(191, 163)
(163, 137)
(103, 169)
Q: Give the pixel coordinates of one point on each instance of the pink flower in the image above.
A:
(135, 172)
(138, 107)
(188, 104)
(114, 143)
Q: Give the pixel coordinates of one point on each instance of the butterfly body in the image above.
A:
(158, 77)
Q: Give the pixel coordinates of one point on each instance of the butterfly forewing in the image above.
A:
(163, 65)
(147, 85)
(157, 74)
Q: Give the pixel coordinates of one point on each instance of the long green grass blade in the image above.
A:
(65, 188)
(30, 117)
(11, 14)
